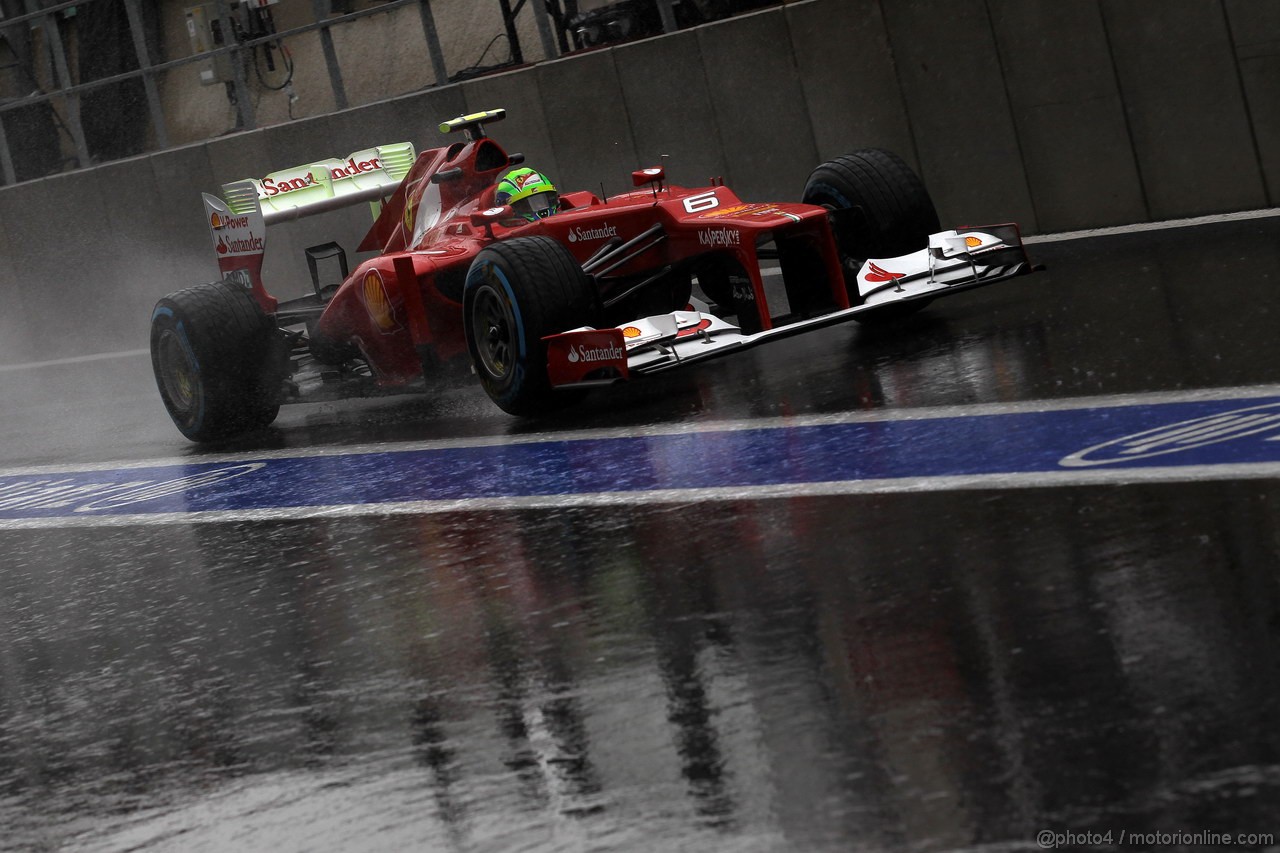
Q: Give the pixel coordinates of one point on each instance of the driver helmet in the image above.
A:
(529, 192)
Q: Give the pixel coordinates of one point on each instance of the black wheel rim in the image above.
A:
(495, 332)
(180, 380)
(848, 260)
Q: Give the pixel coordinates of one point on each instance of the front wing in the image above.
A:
(955, 261)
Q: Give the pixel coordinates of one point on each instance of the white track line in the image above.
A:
(1141, 227)
(79, 359)
(1034, 480)
(690, 428)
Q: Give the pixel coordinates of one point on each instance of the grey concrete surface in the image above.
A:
(1255, 30)
(414, 117)
(319, 138)
(670, 108)
(759, 105)
(582, 101)
(1068, 113)
(851, 90)
(1186, 109)
(950, 71)
(139, 245)
(241, 155)
(70, 270)
(182, 174)
(15, 325)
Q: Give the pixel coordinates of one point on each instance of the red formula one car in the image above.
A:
(604, 290)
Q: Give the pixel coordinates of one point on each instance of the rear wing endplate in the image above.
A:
(238, 221)
(368, 175)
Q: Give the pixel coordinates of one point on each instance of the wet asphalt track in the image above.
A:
(673, 647)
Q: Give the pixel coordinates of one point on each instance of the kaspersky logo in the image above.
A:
(720, 237)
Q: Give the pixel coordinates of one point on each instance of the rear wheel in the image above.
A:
(517, 292)
(218, 359)
(879, 209)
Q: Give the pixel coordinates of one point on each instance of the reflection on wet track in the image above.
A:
(921, 670)
(554, 679)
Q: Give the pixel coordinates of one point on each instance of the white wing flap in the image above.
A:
(366, 175)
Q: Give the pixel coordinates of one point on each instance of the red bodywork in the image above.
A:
(405, 305)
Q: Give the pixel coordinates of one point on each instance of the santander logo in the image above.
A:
(589, 354)
(604, 232)
(275, 185)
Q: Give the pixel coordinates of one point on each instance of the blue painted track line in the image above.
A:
(1102, 443)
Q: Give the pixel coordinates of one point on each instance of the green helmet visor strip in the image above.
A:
(530, 194)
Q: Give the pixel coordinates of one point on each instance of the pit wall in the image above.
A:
(1058, 115)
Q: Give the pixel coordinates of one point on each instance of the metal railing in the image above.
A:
(553, 20)
(70, 93)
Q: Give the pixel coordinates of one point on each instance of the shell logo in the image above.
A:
(378, 302)
(973, 242)
(631, 332)
(216, 222)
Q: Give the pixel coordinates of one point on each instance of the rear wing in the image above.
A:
(238, 221)
(367, 175)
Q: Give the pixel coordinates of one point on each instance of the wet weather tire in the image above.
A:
(517, 292)
(895, 214)
(218, 360)
(879, 209)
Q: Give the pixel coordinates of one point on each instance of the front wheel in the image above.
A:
(879, 208)
(219, 361)
(517, 292)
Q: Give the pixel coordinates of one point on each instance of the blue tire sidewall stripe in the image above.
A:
(833, 192)
(477, 273)
(180, 330)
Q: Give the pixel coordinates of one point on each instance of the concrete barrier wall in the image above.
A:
(1060, 115)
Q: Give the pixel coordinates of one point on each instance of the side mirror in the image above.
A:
(489, 217)
(446, 175)
(648, 176)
